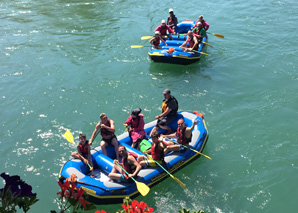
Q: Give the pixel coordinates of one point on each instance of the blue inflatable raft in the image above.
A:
(103, 191)
(178, 56)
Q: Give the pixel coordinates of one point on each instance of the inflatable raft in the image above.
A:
(103, 191)
(178, 56)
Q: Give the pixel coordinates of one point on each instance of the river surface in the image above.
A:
(62, 63)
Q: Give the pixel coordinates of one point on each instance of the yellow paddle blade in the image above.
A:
(218, 35)
(201, 154)
(204, 53)
(179, 182)
(69, 136)
(142, 188)
(146, 37)
(207, 44)
(136, 46)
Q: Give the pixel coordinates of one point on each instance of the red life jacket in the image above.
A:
(127, 166)
(190, 41)
(181, 136)
(156, 41)
(156, 153)
(104, 131)
(84, 148)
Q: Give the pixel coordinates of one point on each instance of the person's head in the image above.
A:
(135, 113)
(181, 123)
(167, 93)
(199, 25)
(201, 18)
(171, 11)
(163, 22)
(82, 138)
(189, 33)
(103, 117)
(154, 136)
(157, 33)
(122, 151)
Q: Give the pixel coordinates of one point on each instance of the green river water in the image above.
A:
(62, 63)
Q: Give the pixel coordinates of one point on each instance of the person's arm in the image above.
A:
(169, 136)
(110, 128)
(151, 40)
(81, 156)
(175, 21)
(202, 33)
(170, 30)
(196, 42)
(167, 111)
(89, 152)
(163, 41)
(133, 161)
(206, 25)
(97, 127)
(182, 45)
(128, 121)
(193, 125)
(162, 146)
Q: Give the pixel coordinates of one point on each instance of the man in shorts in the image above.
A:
(106, 127)
(129, 163)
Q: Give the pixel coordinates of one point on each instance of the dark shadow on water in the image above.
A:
(176, 70)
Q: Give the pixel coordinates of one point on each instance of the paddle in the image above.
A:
(146, 37)
(196, 51)
(217, 35)
(207, 44)
(138, 46)
(191, 149)
(69, 138)
(176, 179)
(142, 187)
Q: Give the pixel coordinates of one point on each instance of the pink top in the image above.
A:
(204, 23)
(138, 127)
(163, 30)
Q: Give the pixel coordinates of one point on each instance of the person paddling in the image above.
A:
(156, 151)
(129, 163)
(155, 40)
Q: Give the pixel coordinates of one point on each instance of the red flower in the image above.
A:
(145, 208)
(102, 211)
(137, 207)
(64, 186)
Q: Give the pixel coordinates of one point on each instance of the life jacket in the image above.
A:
(156, 153)
(165, 105)
(156, 41)
(84, 148)
(196, 30)
(180, 134)
(127, 166)
(191, 41)
(171, 20)
(104, 131)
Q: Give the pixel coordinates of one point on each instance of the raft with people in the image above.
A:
(173, 53)
(102, 190)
